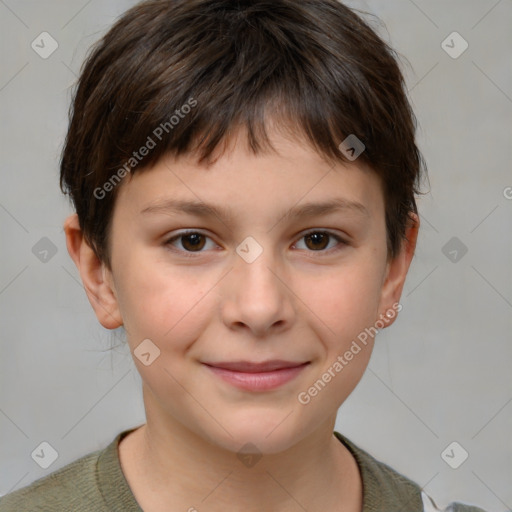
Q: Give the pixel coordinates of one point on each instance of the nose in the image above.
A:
(257, 296)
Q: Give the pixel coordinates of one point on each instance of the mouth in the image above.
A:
(254, 376)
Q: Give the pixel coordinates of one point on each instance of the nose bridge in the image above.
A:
(255, 295)
(256, 266)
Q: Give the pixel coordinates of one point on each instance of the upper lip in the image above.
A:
(253, 367)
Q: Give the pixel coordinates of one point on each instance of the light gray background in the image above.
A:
(440, 374)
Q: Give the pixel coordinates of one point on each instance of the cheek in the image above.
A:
(172, 308)
(172, 305)
(345, 300)
(163, 303)
(344, 309)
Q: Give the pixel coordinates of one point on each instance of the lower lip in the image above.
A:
(262, 381)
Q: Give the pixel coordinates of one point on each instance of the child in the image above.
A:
(212, 144)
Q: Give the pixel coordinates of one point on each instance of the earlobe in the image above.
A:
(99, 289)
(396, 271)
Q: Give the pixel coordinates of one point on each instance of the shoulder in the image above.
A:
(386, 489)
(430, 506)
(71, 487)
(383, 487)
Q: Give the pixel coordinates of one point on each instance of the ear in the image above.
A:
(96, 278)
(396, 271)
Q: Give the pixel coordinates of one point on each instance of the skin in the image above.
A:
(300, 300)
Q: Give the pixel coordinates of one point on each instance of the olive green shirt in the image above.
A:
(96, 483)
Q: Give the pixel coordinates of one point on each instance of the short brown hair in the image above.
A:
(316, 62)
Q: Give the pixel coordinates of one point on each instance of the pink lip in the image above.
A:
(256, 376)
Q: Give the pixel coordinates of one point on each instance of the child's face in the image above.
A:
(301, 300)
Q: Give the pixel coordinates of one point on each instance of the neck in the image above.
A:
(169, 467)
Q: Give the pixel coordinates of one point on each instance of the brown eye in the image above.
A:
(317, 240)
(322, 241)
(191, 242)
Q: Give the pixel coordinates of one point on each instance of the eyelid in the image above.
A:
(182, 233)
(334, 234)
(342, 240)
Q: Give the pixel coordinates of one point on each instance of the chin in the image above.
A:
(266, 431)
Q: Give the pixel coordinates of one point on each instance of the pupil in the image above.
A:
(318, 238)
(193, 240)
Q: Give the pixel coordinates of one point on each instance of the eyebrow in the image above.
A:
(201, 209)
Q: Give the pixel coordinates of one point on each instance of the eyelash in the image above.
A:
(192, 254)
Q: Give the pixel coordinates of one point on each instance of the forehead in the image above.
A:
(294, 179)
